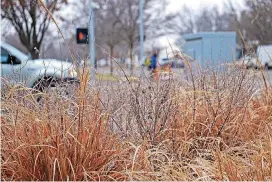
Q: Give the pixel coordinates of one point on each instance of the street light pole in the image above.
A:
(141, 8)
(92, 41)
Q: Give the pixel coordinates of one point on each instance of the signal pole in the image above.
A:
(141, 8)
(92, 39)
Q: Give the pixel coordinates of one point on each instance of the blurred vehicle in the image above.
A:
(17, 67)
(102, 62)
(247, 61)
(174, 59)
(263, 58)
(165, 57)
(179, 61)
(264, 54)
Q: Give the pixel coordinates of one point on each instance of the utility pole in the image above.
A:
(141, 8)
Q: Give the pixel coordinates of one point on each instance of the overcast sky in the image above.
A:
(175, 5)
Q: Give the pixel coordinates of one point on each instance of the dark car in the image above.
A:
(178, 62)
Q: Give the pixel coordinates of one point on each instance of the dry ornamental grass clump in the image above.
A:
(58, 139)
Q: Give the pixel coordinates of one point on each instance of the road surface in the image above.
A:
(177, 72)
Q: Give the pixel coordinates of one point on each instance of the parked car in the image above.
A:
(17, 67)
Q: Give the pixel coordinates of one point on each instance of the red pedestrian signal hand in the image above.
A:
(82, 35)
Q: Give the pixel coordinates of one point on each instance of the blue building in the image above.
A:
(211, 48)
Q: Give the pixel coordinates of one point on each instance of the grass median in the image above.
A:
(109, 77)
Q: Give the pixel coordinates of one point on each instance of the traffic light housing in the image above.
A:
(82, 36)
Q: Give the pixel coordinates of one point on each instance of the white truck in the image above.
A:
(264, 54)
(18, 68)
(262, 59)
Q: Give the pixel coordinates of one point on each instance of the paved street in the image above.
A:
(177, 72)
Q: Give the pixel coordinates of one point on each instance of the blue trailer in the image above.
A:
(211, 48)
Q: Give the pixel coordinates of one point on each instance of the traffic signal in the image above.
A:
(82, 36)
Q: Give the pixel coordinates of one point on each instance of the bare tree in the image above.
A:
(14, 40)
(220, 20)
(253, 22)
(185, 21)
(204, 21)
(110, 27)
(154, 20)
(207, 19)
(260, 15)
(29, 20)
